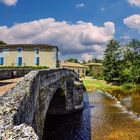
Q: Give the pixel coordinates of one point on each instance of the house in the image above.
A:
(28, 55)
(96, 68)
(78, 68)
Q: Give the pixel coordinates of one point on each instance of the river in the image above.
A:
(103, 118)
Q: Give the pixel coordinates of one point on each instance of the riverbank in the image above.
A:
(94, 84)
(102, 119)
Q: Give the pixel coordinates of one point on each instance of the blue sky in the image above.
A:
(80, 28)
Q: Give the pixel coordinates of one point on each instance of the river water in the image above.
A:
(103, 118)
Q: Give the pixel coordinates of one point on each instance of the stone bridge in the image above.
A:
(23, 109)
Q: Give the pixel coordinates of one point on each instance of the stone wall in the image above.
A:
(23, 109)
(8, 73)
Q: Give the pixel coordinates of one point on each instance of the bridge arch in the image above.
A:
(39, 93)
(58, 103)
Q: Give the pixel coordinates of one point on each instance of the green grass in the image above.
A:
(94, 84)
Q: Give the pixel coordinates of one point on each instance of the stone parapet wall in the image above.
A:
(9, 104)
(8, 73)
(23, 109)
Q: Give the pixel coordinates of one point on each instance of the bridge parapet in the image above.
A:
(23, 109)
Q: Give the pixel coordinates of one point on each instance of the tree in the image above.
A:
(95, 60)
(111, 61)
(122, 63)
(84, 62)
(2, 43)
(73, 60)
(133, 59)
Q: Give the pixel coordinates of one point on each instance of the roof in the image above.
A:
(70, 64)
(93, 64)
(29, 45)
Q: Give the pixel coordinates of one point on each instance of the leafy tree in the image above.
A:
(74, 60)
(89, 72)
(122, 63)
(95, 60)
(2, 43)
(111, 61)
(84, 62)
(130, 66)
(134, 61)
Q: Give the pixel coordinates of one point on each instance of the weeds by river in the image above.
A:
(94, 84)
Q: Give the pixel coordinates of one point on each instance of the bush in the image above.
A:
(98, 76)
(89, 72)
(127, 86)
(30, 67)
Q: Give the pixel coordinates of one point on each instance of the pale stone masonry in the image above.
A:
(6, 85)
(96, 68)
(28, 55)
(78, 68)
(23, 109)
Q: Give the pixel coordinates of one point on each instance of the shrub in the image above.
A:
(89, 72)
(127, 86)
(31, 67)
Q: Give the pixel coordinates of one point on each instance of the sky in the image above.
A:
(80, 28)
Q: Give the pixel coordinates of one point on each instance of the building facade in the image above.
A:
(78, 68)
(28, 55)
(96, 68)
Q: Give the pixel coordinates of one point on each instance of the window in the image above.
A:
(5, 49)
(19, 61)
(36, 60)
(83, 71)
(19, 50)
(1, 60)
(36, 50)
(1, 50)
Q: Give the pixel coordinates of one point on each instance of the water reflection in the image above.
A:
(110, 122)
(102, 119)
(69, 127)
(131, 100)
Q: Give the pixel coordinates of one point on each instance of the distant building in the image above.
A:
(78, 68)
(28, 55)
(96, 68)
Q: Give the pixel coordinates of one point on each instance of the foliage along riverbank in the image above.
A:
(121, 68)
(121, 64)
(94, 84)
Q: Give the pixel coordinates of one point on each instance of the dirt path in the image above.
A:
(5, 85)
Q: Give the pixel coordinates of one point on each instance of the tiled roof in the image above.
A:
(70, 64)
(29, 45)
(93, 64)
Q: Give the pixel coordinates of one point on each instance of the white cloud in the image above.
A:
(86, 56)
(133, 22)
(80, 5)
(134, 2)
(9, 2)
(79, 38)
(125, 37)
(102, 9)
